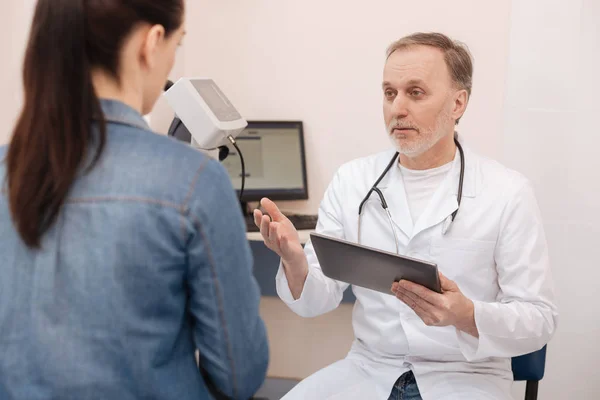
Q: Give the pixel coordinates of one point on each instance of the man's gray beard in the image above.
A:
(423, 142)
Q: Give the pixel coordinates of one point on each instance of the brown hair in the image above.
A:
(456, 54)
(53, 133)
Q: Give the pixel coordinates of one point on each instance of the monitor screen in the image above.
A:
(275, 164)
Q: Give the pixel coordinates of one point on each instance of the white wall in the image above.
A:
(321, 62)
(552, 136)
(13, 37)
(534, 106)
(162, 114)
(7, 72)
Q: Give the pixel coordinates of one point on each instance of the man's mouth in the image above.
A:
(402, 130)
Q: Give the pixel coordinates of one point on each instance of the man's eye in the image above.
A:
(416, 93)
(389, 93)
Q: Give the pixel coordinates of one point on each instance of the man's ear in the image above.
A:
(461, 99)
(154, 37)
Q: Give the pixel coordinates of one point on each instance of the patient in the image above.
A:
(115, 265)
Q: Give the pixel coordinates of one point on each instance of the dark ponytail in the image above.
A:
(53, 133)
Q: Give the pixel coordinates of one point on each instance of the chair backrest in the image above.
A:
(530, 367)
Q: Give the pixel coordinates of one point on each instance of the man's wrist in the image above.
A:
(297, 269)
(296, 276)
(468, 324)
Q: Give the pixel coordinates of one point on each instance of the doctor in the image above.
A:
(480, 225)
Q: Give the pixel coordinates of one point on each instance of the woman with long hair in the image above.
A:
(122, 253)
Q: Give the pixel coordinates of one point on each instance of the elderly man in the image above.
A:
(476, 219)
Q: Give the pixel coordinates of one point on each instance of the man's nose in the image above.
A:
(400, 107)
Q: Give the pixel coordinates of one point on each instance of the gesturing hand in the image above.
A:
(278, 233)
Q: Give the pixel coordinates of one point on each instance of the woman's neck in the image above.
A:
(107, 87)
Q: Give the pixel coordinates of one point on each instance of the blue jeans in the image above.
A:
(405, 388)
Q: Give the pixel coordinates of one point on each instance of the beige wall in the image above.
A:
(162, 114)
(321, 62)
(533, 104)
(551, 135)
(13, 36)
(300, 346)
(8, 72)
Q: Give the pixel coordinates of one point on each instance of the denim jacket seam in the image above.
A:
(185, 211)
(147, 200)
(219, 297)
(125, 199)
(127, 122)
(115, 111)
(190, 193)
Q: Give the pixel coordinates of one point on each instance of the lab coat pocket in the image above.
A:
(429, 342)
(468, 262)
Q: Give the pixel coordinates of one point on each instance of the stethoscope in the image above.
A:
(375, 189)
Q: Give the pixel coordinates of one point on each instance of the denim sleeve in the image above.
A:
(224, 296)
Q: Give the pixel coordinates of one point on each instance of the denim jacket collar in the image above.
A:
(120, 113)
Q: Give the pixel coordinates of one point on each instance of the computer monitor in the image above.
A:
(274, 156)
(275, 163)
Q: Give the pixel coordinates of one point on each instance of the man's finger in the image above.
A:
(272, 209)
(284, 244)
(446, 284)
(422, 303)
(409, 301)
(257, 217)
(264, 227)
(273, 233)
(421, 291)
(416, 305)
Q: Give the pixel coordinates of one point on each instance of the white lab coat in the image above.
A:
(495, 251)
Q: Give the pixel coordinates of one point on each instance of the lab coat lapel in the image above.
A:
(445, 199)
(441, 206)
(395, 194)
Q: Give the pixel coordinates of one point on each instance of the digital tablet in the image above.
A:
(371, 268)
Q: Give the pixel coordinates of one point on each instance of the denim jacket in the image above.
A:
(147, 262)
